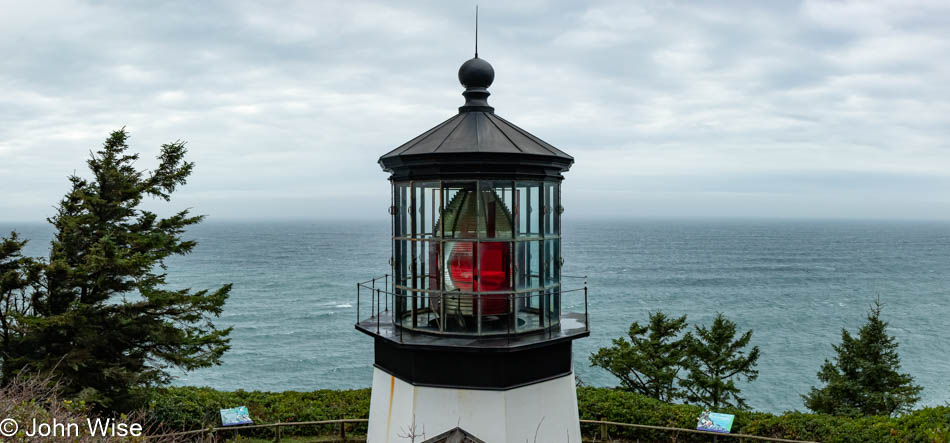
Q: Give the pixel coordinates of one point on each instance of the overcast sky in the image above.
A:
(773, 109)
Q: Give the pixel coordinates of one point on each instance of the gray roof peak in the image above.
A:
(474, 137)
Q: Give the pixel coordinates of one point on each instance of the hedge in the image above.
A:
(186, 408)
(924, 425)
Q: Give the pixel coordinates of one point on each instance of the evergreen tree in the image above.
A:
(651, 360)
(865, 377)
(19, 277)
(103, 321)
(714, 360)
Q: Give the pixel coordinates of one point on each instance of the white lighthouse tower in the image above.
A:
(470, 338)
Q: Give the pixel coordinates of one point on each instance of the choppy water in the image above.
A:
(795, 283)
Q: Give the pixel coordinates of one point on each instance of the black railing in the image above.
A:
(384, 299)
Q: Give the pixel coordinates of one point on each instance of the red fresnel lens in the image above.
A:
(460, 266)
(494, 259)
(494, 269)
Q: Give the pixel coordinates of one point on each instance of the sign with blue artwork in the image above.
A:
(235, 416)
(715, 422)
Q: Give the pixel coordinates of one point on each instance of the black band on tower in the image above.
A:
(465, 369)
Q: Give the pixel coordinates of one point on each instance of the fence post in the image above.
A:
(277, 431)
(603, 431)
(343, 431)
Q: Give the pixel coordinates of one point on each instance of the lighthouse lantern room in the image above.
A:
(468, 328)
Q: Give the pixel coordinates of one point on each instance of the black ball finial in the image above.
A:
(476, 73)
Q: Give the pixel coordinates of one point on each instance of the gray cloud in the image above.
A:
(746, 108)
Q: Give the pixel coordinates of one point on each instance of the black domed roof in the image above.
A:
(476, 142)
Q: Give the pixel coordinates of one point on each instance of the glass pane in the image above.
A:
(459, 218)
(529, 314)
(401, 307)
(427, 259)
(459, 266)
(495, 207)
(527, 203)
(402, 210)
(436, 301)
(424, 316)
(429, 317)
(550, 209)
(414, 306)
(428, 204)
(494, 261)
(552, 307)
(496, 310)
(459, 313)
(400, 264)
(527, 264)
(517, 308)
(551, 262)
(494, 304)
(406, 263)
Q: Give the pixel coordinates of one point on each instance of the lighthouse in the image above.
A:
(473, 328)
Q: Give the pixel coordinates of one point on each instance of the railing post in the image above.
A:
(478, 313)
(386, 285)
(343, 431)
(586, 315)
(512, 317)
(357, 303)
(377, 311)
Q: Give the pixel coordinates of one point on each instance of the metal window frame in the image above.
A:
(413, 235)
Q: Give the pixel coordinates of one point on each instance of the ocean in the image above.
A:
(795, 283)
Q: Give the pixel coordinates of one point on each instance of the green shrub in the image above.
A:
(923, 425)
(189, 408)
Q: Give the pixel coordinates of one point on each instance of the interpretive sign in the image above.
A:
(714, 421)
(235, 416)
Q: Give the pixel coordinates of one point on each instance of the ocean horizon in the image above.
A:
(795, 282)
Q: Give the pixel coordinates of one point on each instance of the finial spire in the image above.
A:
(476, 30)
(476, 75)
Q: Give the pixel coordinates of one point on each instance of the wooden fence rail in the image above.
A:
(210, 433)
(742, 437)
